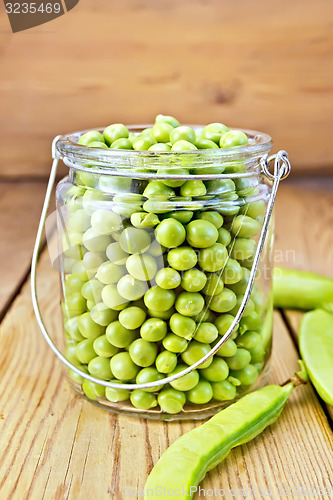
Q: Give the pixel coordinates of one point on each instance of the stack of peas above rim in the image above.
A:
(155, 273)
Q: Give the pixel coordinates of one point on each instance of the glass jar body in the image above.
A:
(153, 272)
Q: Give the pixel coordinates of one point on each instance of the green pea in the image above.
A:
(122, 143)
(122, 366)
(214, 284)
(72, 244)
(223, 390)
(132, 317)
(112, 298)
(73, 283)
(105, 221)
(221, 187)
(193, 280)
(113, 184)
(212, 217)
(114, 132)
(95, 242)
(183, 216)
(147, 375)
(153, 329)
(258, 353)
(91, 136)
(240, 287)
(249, 309)
(201, 233)
(166, 362)
(92, 261)
(72, 329)
(182, 258)
(146, 131)
(183, 146)
(249, 339)
(250, 322)
(93, 391)
(168, 278)
(92, 290)
(116, 395)
(205, 144)
(182, 325)
(224, 237)
(141, 267)
(193, 188)
(194, 352)
(171, 401)
(70, 351)
(142, 220)
(133, 240)
(239, 360)
(243, 248)
(143, 400)
(182, 133)
(102, 347)
(161, 131)
(214, 131)
(84, 351)
(99, 367)
(213, 258)
(167, 119)
(174, 343)
(170, 233)
(224, 301)
(165, 315)
(233, 138)
(119, 336)
(202, 316)
(228, 349)
(130, 288)
(232, 272)
(206, 333)
(201, 394)
(155, 249)
(74, 305)
(189, 303)
(158, 190)
(143, 353)
(158, 206)
(88, 328)
(79, 270)
(159, 299)
(244, 227)
(143, 143)
(75, 377)
(116, 254)
(109, 273)
(187, 382)
(247, 375)
(255, 209)
(234, 381)
(78, 221)
(217, 371)
(160, 147)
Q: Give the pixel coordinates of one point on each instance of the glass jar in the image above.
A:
(156, 252)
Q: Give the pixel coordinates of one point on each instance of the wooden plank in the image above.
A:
(20, 207)
(304, 237)
(55, 445)
(250, 64)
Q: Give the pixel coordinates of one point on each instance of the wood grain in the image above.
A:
(56, 445)
(20, 207)
(250, 64)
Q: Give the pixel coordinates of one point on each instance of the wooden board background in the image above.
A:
(259, 64)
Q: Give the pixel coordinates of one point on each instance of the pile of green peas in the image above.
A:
(155, 271)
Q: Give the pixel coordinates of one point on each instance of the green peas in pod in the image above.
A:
(142, 267)
(189, 303)
(166, 362)
(202, 393)
(149, 374)
(114, 132)
(170, 233)
(159, 299)
(142, 352)
(123, 368)
(186, 382)
(115, 395)
(119, 336)
(193, 280)
(143, 400)
(194, 352)
(182, 258)
(182, 325)
(201, 233)
(171, 401)
(153, 330)
(89, 137)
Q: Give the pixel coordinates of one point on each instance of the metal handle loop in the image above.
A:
(281, 171)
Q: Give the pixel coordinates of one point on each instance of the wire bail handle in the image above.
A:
(281, 170)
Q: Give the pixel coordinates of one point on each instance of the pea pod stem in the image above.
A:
(303, 290)
(185, 463)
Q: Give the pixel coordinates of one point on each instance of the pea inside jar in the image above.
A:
(159, 227)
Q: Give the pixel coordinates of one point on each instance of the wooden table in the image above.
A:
(55, 445)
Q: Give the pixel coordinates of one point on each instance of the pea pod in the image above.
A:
(187, 460)
(302, 290)
(316, 347)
